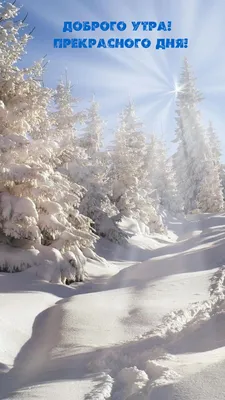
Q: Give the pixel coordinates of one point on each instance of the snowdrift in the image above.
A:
(155, 330)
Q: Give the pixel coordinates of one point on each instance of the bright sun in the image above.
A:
(176, 89)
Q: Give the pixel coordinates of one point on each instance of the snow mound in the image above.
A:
(130, 382)
(45, 262)
(103, 390)
(131, 225)
(160, 375)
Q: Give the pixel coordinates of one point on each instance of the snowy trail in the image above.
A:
(129, 337)
(34, 354)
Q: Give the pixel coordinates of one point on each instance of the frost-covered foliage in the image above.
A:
(19, 219)
(46, 262)
(98, 207)
(65, 121)
(93, 174)
(96, 204)
(23, 107)
(48, 215)
(222, 177)
(38, 204)
(131, 190)
(23, 100)
(214, 143)
(161, 175)
(198, 179)
(92, 136)
(85, 165)
(127, 158)
(210, 198)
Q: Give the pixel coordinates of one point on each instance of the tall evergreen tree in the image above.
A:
(128, 159)
(38, 205)
(193, 158)
(92, 137)
(23, 105)
(210, 197)
(131, 191)
(161, 175)
(214, 143)
(215, 146)
(65, 121)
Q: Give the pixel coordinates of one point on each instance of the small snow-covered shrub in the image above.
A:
(77, 262)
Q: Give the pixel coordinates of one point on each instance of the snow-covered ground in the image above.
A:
(148, 324)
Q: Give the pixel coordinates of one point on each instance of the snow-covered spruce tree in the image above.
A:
(222, 177)
(210, 198)
(131, 192)
(161, 175)
(38, 205)
(22, 106)
(65, 120)
(92, 135)
(84, 164)
(62, 142)
(96, 203)
(193, 158)
(215, 146)
(214, 143)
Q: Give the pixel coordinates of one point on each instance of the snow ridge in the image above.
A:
(178, 322)
(142, 371)
(102, 392)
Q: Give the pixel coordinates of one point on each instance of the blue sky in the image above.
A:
(148, 76)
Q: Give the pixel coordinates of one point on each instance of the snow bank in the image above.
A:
(157, 332)
(46, 262)
(130, 381)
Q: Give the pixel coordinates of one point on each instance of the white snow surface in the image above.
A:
(148, 323)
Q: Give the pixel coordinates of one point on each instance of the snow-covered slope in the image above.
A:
(134, 330)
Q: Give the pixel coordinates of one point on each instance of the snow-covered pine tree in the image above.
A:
(214, 143)
(84, 165)
(161, 175)
(92, 135)
(131, 192)
(210, 198)
(215, 146)
(23, 105)
(67, 152)
(129, 146)
(193, 158)
(65, 120)
(93, 176)
(96, 203)
(38, 205)
(222, 177)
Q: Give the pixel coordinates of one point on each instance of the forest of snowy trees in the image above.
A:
(61, 190)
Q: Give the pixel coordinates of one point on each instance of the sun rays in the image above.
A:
(149, 76)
